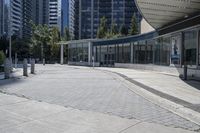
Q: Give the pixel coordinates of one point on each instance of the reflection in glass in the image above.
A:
(190, 41)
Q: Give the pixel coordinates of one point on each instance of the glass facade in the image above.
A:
(176, 50)
(199, 48)
(89, 12)
(167, 50)
(190, 45)
(78, 52)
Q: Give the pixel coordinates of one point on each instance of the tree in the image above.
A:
(67, 35)
(4, 43)
(21, 47)
(2, 57)
(114, 30)
(134, 27)
(40, 36)
(102, 30)
(54, 39)
(124, 30)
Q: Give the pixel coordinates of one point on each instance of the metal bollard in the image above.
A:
(43, 61)
(185, 72)
(25, 67)
(33, 66)
(7, 68)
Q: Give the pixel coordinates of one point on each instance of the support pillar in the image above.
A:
(90, 54)
(7, 69)
(132, 53)
(61, 54)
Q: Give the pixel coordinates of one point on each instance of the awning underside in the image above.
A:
(160, 13)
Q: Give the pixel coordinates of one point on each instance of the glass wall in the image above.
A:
(141, 52)
(149, 52)
(127, 53)
(72, 53)
(176, 50)
(162, 51)
(190, 45)
(78, 52)
(199, 48)
(120, 53)
(165, 51)
(104, 50)
(135, 52)
(157, 51)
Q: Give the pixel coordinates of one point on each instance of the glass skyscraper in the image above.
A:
(67, 16)
(61, 13)
(88, 15)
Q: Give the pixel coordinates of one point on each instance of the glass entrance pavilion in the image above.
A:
(175, 43)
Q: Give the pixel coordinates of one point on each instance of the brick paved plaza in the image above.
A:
(87, 89)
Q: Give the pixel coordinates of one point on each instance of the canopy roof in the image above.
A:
(160, 13)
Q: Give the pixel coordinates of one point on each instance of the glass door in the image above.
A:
(199, 48)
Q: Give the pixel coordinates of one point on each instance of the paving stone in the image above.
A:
(88, 89)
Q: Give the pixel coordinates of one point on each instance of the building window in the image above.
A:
(190, 45)
(121, 53)
(141, 52)
(165, 51)
(85, 52)
(157, 51)
(127, 53)
(136, 52)
(104, 50)
(199, 48)
(149, 52)
(176, 50)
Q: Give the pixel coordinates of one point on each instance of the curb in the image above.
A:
(177, 109)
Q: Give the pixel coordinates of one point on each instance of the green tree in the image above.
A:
(66, 36)
(40, 36)
(102, 30)
(54, 39)
(4, 43)
(124, 30)
(2, 57)
(114, 30)
(133, 28)
(21, 47)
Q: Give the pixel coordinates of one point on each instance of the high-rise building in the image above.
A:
(11, 17)
(27, 18)
(67, 16)
(16, 17)
(89, 12)
(40, 11)
(61, 13)
(1, 17)
(54, 12)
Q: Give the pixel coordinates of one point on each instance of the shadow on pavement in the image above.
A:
(193, 83)
(4, 82)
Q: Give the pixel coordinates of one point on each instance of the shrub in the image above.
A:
(2, 57)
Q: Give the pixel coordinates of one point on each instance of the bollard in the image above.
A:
(43, 61)
(7, 69)
(33, 66)
(185, 72)
(25, 67)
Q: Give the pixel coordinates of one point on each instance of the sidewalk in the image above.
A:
(166, 90)
(29, 116)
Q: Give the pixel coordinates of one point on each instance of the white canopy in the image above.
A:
(159, 13)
